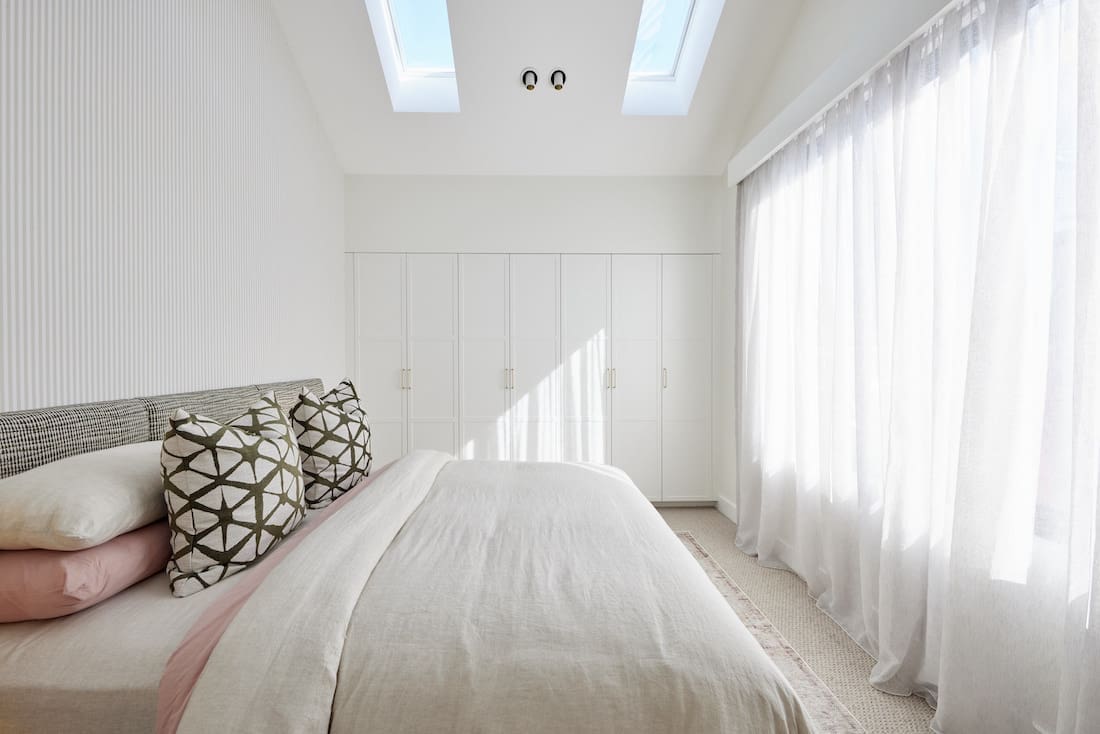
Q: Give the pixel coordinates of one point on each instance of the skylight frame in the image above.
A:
(411, 90)
(651, 94)
(413, 71)
(661, 76)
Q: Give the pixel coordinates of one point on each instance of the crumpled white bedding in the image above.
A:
(491, 597)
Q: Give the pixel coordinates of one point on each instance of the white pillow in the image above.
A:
(84, 500)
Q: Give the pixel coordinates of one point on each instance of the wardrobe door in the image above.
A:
(636, 369)
(380, 350)
(483, 357)
(536, 365)
(432, 380)
(585, 339)
(686, 377)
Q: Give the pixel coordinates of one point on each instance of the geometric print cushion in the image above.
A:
(334, 438)
(233, 491)
(344, 397)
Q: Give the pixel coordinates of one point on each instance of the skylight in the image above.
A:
(670, 49)
(423, 35)
(661, 33)
(414, 46)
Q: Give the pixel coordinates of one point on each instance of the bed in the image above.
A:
(441, 596)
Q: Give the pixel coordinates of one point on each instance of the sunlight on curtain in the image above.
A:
(920, 421)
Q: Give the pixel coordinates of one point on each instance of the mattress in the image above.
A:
(97, 670)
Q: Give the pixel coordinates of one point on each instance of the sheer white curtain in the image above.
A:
(920, 366)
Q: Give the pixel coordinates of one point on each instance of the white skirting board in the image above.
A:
(727, 507)
(688, 503)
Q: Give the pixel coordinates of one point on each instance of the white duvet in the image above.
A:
(491, 597)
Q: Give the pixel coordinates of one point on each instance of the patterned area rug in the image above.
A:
(828, 713)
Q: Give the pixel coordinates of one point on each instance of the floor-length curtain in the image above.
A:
(920, 412)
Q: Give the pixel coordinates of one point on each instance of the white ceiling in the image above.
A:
(505, 130)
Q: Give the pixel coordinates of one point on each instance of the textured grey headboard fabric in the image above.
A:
(30, 438)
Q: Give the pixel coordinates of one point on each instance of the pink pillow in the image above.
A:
(43, 584)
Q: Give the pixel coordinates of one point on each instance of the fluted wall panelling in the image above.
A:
(171, 212)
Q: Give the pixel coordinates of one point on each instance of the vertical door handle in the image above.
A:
(607, 377)
(402, 378)
(409, 380)
(664, 377)
(614, 379)
(512, 378)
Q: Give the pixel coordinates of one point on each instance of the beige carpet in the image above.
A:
(822, 706)
(782, 597)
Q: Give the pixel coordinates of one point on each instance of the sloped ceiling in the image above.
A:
(504, 130)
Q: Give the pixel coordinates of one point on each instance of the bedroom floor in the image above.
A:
(781, 595)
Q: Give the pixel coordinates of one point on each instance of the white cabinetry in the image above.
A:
(661, 373)
(686, 334)
(406, 351)
(380, 350)
(586, 357)
(431, 383)
(535, 358)
(484, 375)
(593, 357)
(636, 369)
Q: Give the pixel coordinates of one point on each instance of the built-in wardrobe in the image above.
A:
(541, 357)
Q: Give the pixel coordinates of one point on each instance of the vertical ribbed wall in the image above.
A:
(171, 213)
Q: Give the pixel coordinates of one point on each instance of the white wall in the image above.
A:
(171, 213)
(832, 44)
(534, 214)
(726, 387)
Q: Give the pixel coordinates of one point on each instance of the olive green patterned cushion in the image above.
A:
(234, 490)
(334, 437)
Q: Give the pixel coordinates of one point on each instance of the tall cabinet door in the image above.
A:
(484, 431)
(636, 369)
(432, 381)
(535, 358)
(380, 350)
(585, 340)
(686, 377)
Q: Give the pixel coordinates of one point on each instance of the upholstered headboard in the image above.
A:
(30, 438)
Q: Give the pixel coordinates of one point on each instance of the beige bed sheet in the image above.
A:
(97, 670)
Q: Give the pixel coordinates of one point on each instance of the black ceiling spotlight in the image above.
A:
(557, 78)
(529, 79)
